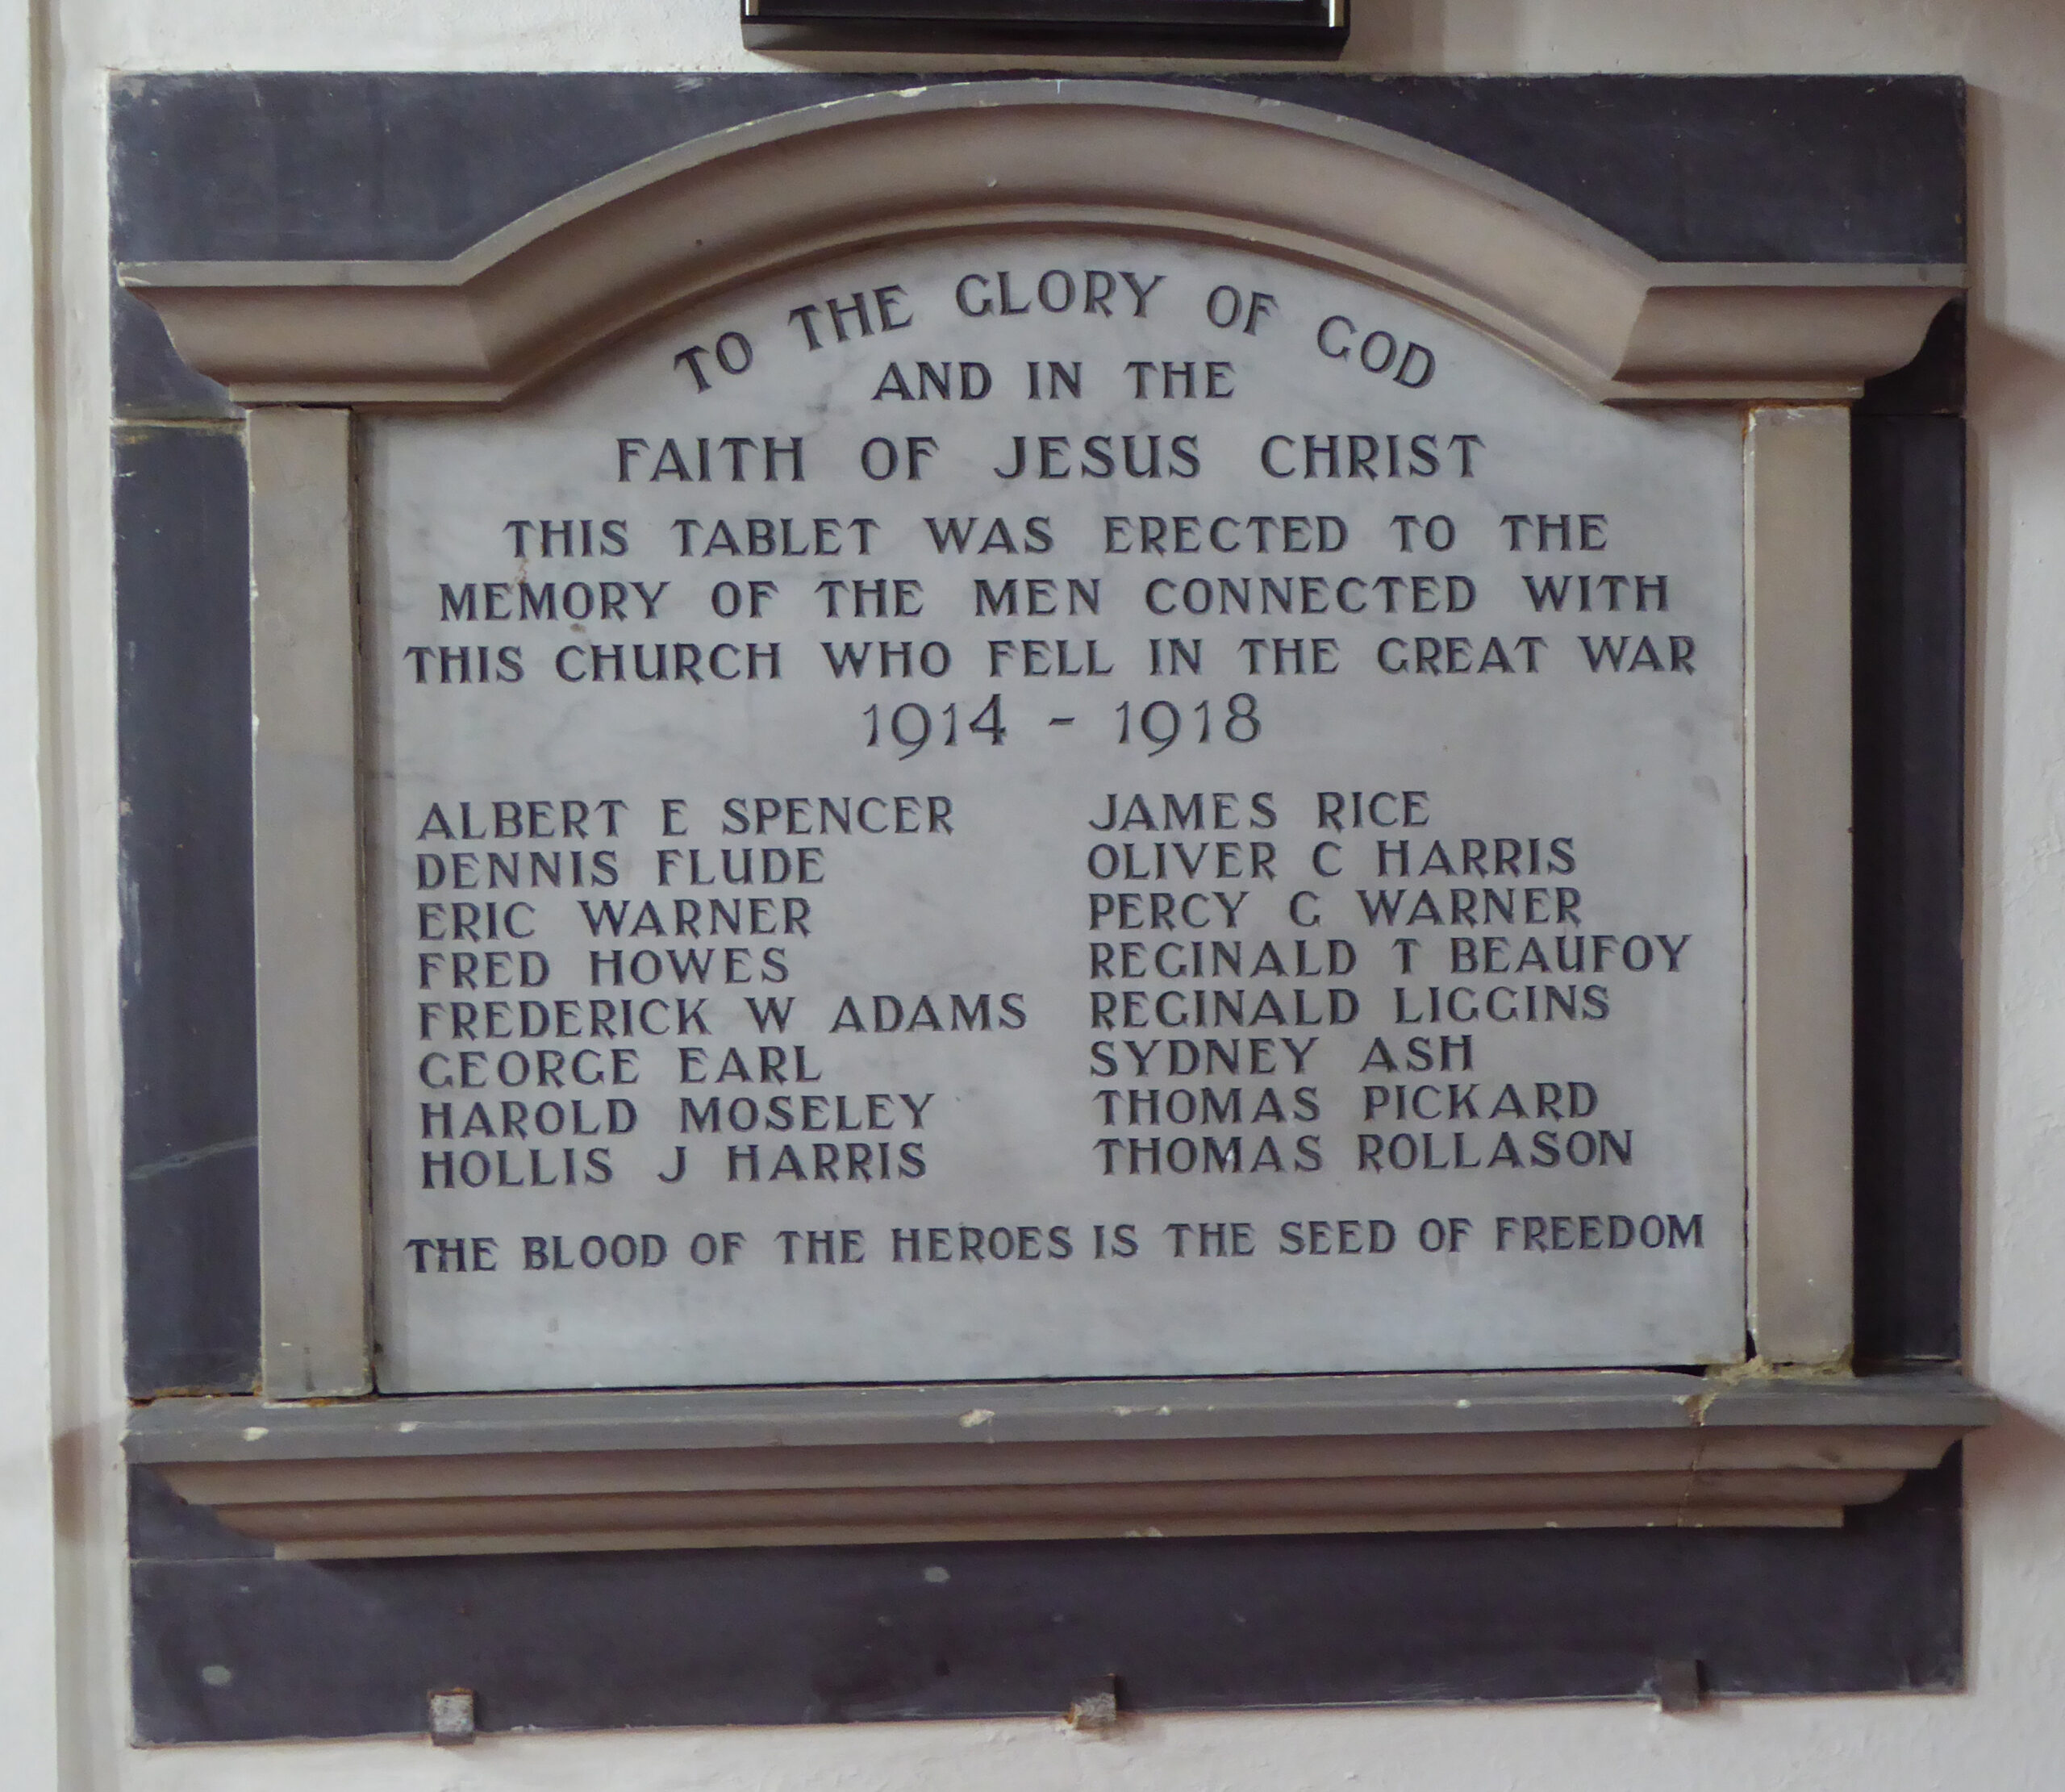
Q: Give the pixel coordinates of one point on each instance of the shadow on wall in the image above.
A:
(2016, 403)
(2016, 144)
(2015, 1468)
(1433, 37)
(2017, 387)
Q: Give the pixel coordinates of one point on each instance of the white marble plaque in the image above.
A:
(1054, 805)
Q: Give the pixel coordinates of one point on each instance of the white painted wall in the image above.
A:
(60, 1603)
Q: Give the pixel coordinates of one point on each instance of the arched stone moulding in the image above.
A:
(687, 224)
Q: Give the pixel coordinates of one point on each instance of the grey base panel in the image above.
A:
(221, 1630)
(550, 1473)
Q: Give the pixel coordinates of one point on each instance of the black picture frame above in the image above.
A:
(1313, 28)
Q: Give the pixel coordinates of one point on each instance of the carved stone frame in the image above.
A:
(304, 345)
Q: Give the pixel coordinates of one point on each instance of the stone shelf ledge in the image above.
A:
(508, 1473)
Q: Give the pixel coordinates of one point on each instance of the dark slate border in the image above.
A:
(189, 1043)
(303, 167)
(294, 167)
(1908, 501)
(297, 165)
(422, 166)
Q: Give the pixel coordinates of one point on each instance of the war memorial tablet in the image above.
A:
(1116, 815)
(1055, 806)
